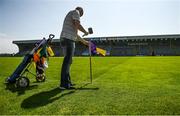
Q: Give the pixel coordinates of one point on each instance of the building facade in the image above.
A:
(166, 45)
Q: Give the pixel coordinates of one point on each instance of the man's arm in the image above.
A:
(82, 40)
(79, 27)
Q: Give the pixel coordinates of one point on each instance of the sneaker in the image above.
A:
(62, 88)
(70, 87)
(72, 84)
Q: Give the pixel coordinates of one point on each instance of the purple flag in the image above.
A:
(93, 48)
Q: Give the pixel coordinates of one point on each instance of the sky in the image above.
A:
(35, 19)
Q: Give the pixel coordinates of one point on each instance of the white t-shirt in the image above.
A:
(69, 31)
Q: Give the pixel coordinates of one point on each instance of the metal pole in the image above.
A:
(90, 63)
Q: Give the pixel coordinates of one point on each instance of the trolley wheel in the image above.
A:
(40, 78)
(22, 82)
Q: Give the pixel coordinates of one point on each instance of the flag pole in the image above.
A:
(90, 63)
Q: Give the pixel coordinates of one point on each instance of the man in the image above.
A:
(68, 37)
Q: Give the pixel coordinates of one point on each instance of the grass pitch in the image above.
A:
(121, 85)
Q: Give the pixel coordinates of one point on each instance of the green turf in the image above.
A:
(121, 85)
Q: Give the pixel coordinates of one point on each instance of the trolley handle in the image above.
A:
(51, 36)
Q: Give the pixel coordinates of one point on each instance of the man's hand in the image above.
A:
(85, 34)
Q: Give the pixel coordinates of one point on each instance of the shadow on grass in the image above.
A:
(43, 98)
(20, 91)
(46, 97)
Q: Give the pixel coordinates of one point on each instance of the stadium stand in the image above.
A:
(165, 45)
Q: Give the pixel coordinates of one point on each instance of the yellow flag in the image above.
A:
(101, 51)
(50, 51)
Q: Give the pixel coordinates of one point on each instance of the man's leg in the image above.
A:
(64, 80)
(69, 51)
(72, 44)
